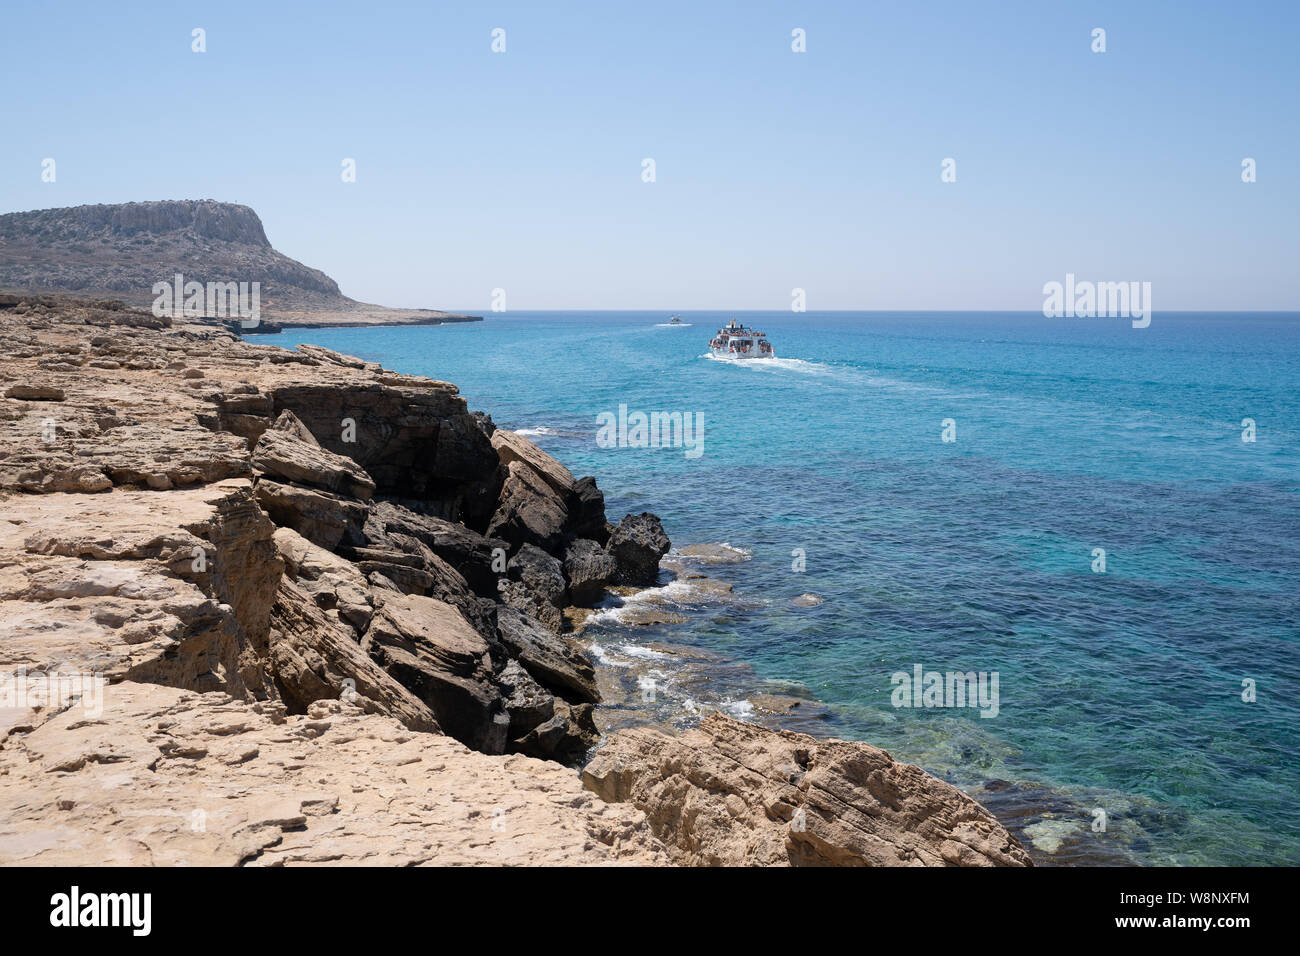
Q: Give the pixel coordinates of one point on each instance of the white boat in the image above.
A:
(676, 320)
(736, 341)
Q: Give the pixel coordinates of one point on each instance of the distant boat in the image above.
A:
(675, 320)
(736, 341)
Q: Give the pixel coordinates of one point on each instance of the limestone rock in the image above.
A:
(511, 446)
(318, 516)
(289, 422)
(314, 658)
(434, 652)
(35, 393)
(283, 455)
(730, 793)
(167, 777)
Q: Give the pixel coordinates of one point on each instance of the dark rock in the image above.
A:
(551, 660)
(587, 511)
(416, 442)
(588, 568)
(637, 544)
(480, 560)
(540, 573)
(527, 703)
(434, 652)
(514, 594)
(567, 736)
(530, 511)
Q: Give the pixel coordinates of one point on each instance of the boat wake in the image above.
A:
(672, 325)
(773, 364)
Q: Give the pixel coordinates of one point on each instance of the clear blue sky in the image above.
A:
(818, 170)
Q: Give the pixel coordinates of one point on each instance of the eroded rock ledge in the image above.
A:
(730, 793)
(307, 580)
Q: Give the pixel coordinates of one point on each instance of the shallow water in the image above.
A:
(1119, 690)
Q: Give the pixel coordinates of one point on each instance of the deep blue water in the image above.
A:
(1121, 690)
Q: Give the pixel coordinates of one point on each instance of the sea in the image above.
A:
(1099, 524)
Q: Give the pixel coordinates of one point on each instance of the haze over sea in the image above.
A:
(1119, 690)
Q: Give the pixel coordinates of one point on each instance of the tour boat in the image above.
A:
(676, 320)
(734, 340)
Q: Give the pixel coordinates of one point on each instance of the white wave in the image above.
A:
(673, 594)
(740, 709)
(644, 653)
(730, 554)
(672, 325)
(604, 656)
(538, 430)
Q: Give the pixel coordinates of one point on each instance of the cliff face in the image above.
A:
(297, 571)
(195, 219)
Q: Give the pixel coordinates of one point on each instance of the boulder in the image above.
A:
(35, 393)
(586, 505)
(540, 573)
(318, 516)
(637, 544)
(476, 557)
(588, 568)
(430, 649)
(529, 510)
(511, 447)
(313, 658)
(553, 662)
(527, 702)
(730, 793)
(281, 454)
(290, 423)
(513, 594)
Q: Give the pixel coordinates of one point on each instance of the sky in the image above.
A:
(774, 170)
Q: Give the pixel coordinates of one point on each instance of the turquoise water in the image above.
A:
(1119, 690)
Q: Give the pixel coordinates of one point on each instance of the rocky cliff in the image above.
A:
(327, 602)
(123, 250)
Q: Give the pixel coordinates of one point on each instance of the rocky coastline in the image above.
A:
(329, 608)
